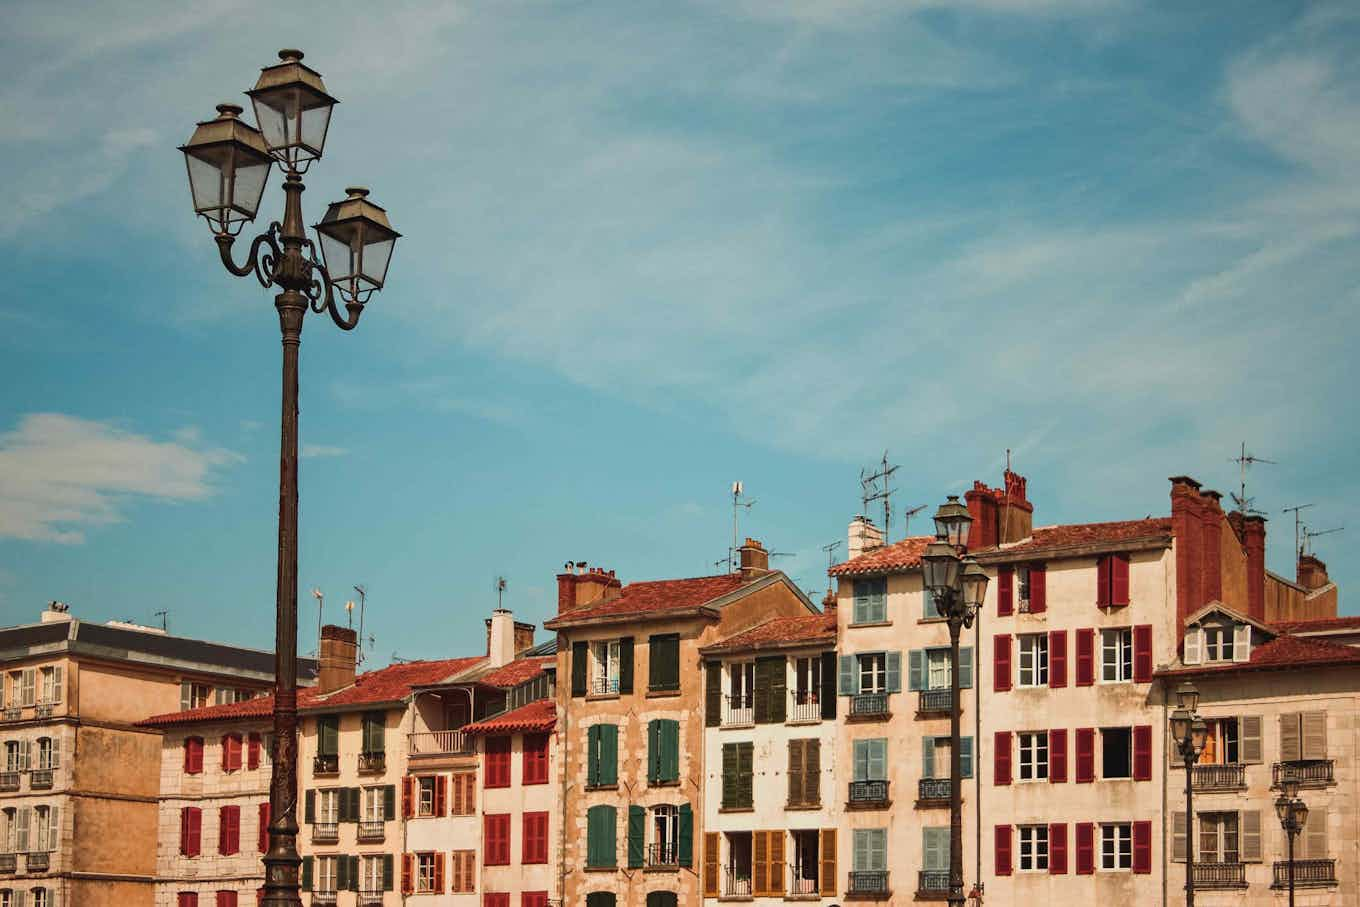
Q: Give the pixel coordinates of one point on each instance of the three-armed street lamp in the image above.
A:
(229, 162)
(1189, 731)
(1293, 814)
(958, 584)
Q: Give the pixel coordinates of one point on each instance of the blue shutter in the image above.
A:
(928, 611)
(861, 612)
(878, 760)
(847, 676)
(966, 668)
(861, 760)
(927, 757)
(966, 756)
(878, 600)
(894, 662)
(916, 670)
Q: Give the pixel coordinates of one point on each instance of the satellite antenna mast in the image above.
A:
(363, 596)
(906, 519)
(831, 552)
(737, 491)
(320, 601)
(1244, 460)
(165, 620)
(1309, 535)
(873, 491)
(1298, 527)
(500, 593)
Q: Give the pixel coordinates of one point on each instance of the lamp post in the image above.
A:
(1293, 814)
(229, 162)
(958, 584)
(1189, 731)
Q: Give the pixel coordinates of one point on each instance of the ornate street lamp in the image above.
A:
(1293, 815)
(229, 162)
(958, 585)
(1189, 732)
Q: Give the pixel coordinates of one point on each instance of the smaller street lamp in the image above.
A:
(1190, 733)
(1293, 815)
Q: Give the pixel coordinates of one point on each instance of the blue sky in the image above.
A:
(654, 247)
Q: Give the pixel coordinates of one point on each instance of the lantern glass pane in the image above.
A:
(377, 255)
(250, 180)
(272, 113)
(963, 525)
(206, 182)
(340, 259)
(314, 122)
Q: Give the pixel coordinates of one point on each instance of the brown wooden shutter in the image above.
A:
(1142, 847)
(796, 782)
(1315, 834)
(407, 873)
(711, 864)
(1249, 737)
(828, 854)
(408, 797)
(441, 795)
(812, 772)
(1291, 747)
(1250, 825)
(439, 873)
(775, 878)
(1314, 735)
(760, 856)
(1086, 657)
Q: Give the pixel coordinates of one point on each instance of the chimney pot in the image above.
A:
(338, 650)
(755, 560)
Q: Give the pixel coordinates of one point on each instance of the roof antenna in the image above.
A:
(1309, 535)
(500, 593)
(165, 620)
(1298, 527)
(1243, 460)
(737, 491)
(320, 601)
(871, 490)
(349, 606)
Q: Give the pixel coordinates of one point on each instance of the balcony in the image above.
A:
(12, 713)
(1307, 874)
(9, 782)
(869, 705)
(868, 794)
(1220, 875)
(803, 882)
(324, 898)
(441, 743)
(9, 863)
(326, 833)
(663, 855)
(869, 883)
(1219, 777)
(43, 710)
(604, 686)
(370, 897)
(1309, 773)
(37, 862)
(805, 707)
(326, 765)
(740, 711)
(934, 702)
(737, 882)
(933, 791)
(40, 779)
(932, 884)
(372, 831)
(372, 763)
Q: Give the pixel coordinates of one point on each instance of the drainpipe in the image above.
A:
(1166, 770)
(977, 748)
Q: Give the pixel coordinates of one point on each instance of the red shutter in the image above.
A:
(536, 759)
(439, 872)
(497, 762)
(1057, 659)
(1001, 758)
(1103, 581)
(1142, 653)
(407, 873)
(1086, 657)
(184, 830)
(264, 826)
(193, 755)
(253, 758)
(1142, 847)
(1119, 579)
(187, 899)
(1086, 755)
(1005, 591)
(1057, 756)
(1086, 848)
(441, 795)
(226, 899)
(535, 847)
(1142, 752)
(1038, 588)
(1003, 850)
(1057, 849)
(1001, 662)
(408, 796)
(193, 831)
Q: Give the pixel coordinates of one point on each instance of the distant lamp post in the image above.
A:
(1189, 732)
(229, 162)
(958, 585)
(1293, 814)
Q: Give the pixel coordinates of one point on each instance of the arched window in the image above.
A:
(600, 899)
(661, 899)
(40, 898)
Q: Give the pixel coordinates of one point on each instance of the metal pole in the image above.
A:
(1290, 833)
(281, 862)
(1187, 753)
(955, 763)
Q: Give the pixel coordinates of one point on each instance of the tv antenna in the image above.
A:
(1309, 535)
(831, 552)
(398, 660)
(165, 620)
(737, 491)
(1298, 526)
(500, 592)
(906, 519)
(1243, 461)
(320, 602)
(349, 606)
(876, 486)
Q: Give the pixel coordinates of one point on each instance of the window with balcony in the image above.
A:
(871, 601)
(870, 784)
(741, 683)
(1033, 756)
(1116, 845)
(327, 745)
(327, 816)
(807, 689)
(1033, 848)
(50, 686)
(934, 877)
(17, 754)
(1116, 655)
(376, 807)
(873, 673)
(1033, 659)
(737, 874)
(663, 835)
(869, 851)
(373, 752)
(805, 865)
(738, 775)
(605, 659)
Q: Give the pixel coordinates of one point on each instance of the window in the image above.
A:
(606, 657)
(1116, 846)
(602, 768)
(805, 771)
(328, 806)
(427, 789)
(262, 833)
(374, 805)
(1034, 848)
(871, 760)
(807, 682)
(1033, 659)
(226, 899)
(47, 753)
(600, 899)
(1303, 736)
(937, 669)
(935, 849)
(871, 601)
(663, 751)
(229, 830)
(1222, 744)
(1112, 581)
(1218, 643)
(654, 899)
(231, 753)
(873, 673)
(664, 832)
(371, 879)
(40, 898)
(496, 839)
(738, 775)
(254, 745)
(741, 678)
(534, 847)
(463, 871)
(193, 755)
(1116, 752)
(374, 724)
(48, 832)
(870, 849)
(1116, 655)
(497, 762)
(194, 695)
(51, 685)
(1034, 756)
(663, 666)
(601, 837)
(496, 899)
(1218, 838)
(429, 872)
(15, 756)
(1022, 587)
(535, 769)
(935, 757)
(190, 831)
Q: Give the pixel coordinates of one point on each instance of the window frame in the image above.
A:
(1122, 664)
(1102, 736)
(1035, 645)
(325, 862)
(424, 872)
(1033, 848)
(874, 666)
(1116, 846)
(332, 796)
(605, 658)
(1035, 745)
(421, 809)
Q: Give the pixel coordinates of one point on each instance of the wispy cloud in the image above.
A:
(313, 451)
(60, 475)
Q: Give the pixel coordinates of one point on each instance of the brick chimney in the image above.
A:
(583, 585)
(864, 537)
(338, 650)
(524, 637)
(1254, 545)
(1211, 580)
(755, 560)
(1312, 572)
(1002, 515)
(829, 602)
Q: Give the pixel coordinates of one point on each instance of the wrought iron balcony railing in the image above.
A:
(933, 789)
(1231, 776)
(803, 881)
(441, 743)
(40, 779)
(736, 882)
(935, 700)
(662, 855)
(869, 705)
(1309, 773)
(12, 713)
(371, 830)
(868, 882)
(43, 710)
(806, 706)
(372, 762)
(325, 832)
(1307, 873)
(370, 897)
(326, 765)
(1220, 875)
(933, 881)
(868, 793)
(325, 898)
(740, 710)
(604, 686)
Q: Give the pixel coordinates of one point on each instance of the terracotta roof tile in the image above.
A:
(1281, 653)
(540, 715)
(901, 555)
(517, 671)
(657, 596)
(781, 631)
(1318, 625)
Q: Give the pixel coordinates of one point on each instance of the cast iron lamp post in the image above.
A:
(229, 162)
(1293, 814)
(958, 584)
(1189, 731)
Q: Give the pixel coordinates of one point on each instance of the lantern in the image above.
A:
(357, 243)
(293, 109)
(228, 167)
(940, 568)
(952, 521)
(974, 580)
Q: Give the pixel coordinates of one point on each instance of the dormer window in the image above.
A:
(1217, 639)
(1022, 587)
(1218, 643)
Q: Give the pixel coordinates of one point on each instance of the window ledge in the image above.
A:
(803, 722)
(736, 809)
(932, 620)
(593, 787)
(663, 693)
(737, 727)
(597, 868)
(870, 623)
(801, 807)
(661, 869)
(675, 783)
(601, 697)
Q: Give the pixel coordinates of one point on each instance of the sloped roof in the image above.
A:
(1317, 625)
(778, 632)
(1282, 653)
(517, 671)
(902, 555)
(537, 716)
(655, 597)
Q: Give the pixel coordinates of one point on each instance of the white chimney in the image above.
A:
(864, 537)
(501, 640)
(55, 612)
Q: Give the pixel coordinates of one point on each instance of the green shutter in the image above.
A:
(878, 600)
(861, 760)
(935, 846)
(861, 611)
(609, 754)
(894, 665)
(637, 830)
(579, 657)
(966, 668)
(306, 873)
(356, 809)
(828, 690)
(341, 873)
(669, 740)
(390, 802)
(309, 807)
(762, 700)
(626, 664)
(328, 735)
(966, 757)
(685, 844)
(860, 849)
(847, 676)
(712, 693)
(916, 670)
(601, 836)
(745, 773)
(927, 757)
(387, 872)
(593, 755)
(779, 689)
(374, 738)
(342, 804)
(729, 775)
(877, 756)
(663, 661)
(928, 610)
(654, 750)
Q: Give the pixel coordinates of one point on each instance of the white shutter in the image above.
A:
(1314, 836)
(23, 817)
(1249, 739)
(1178, 837)
(1194, 646)
(1250, 824)
(27, 697)
(56, 752)
(1241, 642)
(26, 756)
(186, 696)
(1314, 735)
(56, 683)
(54, 829)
